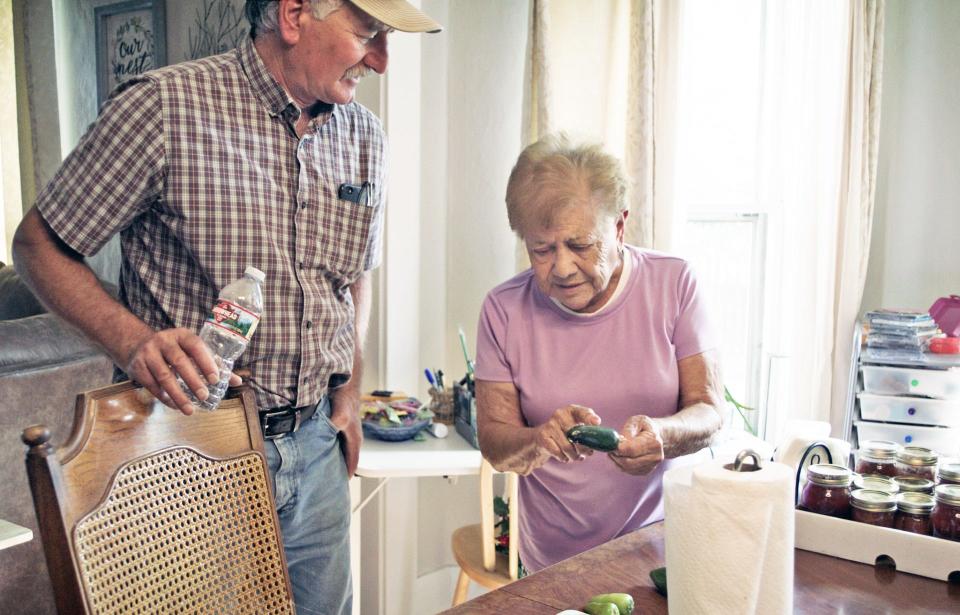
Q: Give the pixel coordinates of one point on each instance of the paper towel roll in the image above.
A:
(729, 539)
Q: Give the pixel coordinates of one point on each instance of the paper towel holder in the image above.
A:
(739, 466)
(811, 454)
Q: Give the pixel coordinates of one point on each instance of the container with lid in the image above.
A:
(913, 513)
(914, 484)
(875, 482)
(945, 517)
(878, 457)
(827, 491)
(917, 461)
(873, 507)
(949, 474)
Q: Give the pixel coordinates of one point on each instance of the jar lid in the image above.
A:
(917, 456)
(914, 484)
(915, 503)
(950, 471)
(948, 494)
(879, 449)
(829, 475)
(875, 482)
(873, 501)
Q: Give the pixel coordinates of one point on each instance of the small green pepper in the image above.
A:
(601, 608)
(595, 436)
(659, 578)
(624, 602)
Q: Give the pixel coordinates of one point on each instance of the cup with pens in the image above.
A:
(441, 398)
(464, 400)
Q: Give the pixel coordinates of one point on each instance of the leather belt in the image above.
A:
(278, 422)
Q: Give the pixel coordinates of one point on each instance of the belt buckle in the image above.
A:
(284, 412)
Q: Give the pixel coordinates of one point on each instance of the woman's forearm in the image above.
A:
(510, 448)
(689, 430)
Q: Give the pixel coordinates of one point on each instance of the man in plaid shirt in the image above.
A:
(254, 157)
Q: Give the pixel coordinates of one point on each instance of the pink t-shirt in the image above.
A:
(620, 362)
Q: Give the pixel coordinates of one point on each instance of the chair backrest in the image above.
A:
(147, 510)
(487, 519)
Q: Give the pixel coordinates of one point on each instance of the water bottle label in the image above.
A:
(234, 319)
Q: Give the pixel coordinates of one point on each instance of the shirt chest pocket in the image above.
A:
(349, 218)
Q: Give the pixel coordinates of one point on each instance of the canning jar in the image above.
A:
(913, 513)
(917, 461)
(873, 507)
(878, 457)
(945, 517)
(875, 482)
(827, 491)
(949, 474)
(914, 484)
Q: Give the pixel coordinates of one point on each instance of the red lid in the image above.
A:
(945, 345)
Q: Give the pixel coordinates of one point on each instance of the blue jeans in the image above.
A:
(313, 502)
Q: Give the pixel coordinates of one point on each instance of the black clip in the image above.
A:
(355, 194)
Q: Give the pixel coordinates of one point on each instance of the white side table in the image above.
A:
(397, 466)
(12, 534)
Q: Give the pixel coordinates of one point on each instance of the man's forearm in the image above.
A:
(689, 430)
(69, 289)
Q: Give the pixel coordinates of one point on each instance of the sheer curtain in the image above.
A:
(818, 144)
(858, 186)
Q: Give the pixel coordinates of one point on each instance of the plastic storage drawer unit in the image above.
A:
(945, 440)
(916, 410)
(938, 384)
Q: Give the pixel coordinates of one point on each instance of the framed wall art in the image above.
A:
(131, 40)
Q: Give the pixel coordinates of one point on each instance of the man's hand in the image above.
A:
(158, 357)
(551, 437)
(642, 449)
(345, 416)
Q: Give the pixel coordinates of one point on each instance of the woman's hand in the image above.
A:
(642, 449)
(551, 437)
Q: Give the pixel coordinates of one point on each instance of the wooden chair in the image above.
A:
(473, 545)
(146, 510)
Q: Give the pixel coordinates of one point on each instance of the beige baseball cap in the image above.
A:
(399, 15)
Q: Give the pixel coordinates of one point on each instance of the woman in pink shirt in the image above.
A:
(595, 332)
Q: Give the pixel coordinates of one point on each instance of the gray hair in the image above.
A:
(556, 172)
(262, 14)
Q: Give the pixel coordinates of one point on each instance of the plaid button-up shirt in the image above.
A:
(199, 168)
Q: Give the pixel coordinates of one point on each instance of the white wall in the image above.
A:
(471, 135)
(915, 249)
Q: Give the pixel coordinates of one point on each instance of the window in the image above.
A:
(760, 91)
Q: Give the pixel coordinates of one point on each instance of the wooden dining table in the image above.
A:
(822, 584)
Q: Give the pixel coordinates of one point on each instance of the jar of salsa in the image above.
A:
(917, 461)
(878, 457)
(913, 513)
(827, 491)
(876, 482)
(914, 484)
(873, 507)
(949, 474)
(945, 517)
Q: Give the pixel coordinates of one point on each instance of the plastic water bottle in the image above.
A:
(228, 330)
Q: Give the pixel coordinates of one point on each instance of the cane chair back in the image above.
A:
(147, 510)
